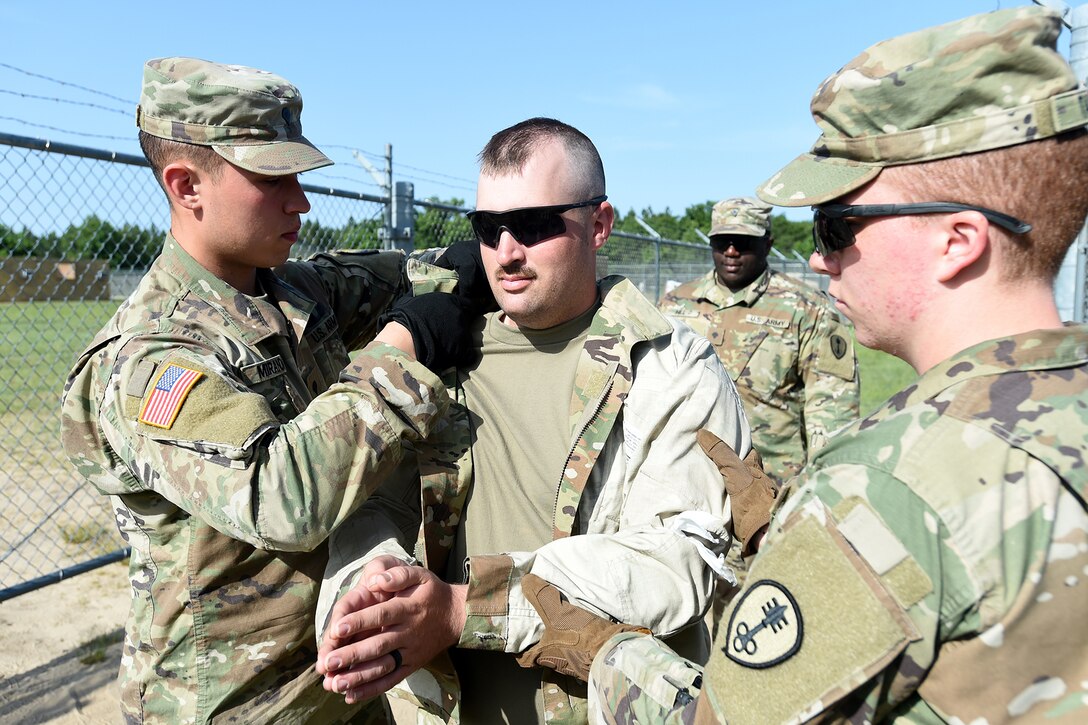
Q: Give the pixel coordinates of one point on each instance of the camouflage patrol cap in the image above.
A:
(980, 83)
(250, 117)
(740, 215)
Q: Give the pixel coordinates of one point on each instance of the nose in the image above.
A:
(509, 250)
(820, 264)
(296, 201)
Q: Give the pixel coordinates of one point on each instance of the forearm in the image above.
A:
(652, 577)
(285, 486)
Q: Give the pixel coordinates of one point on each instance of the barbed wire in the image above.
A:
(436, 173)
(340, 177)
(434, 181)
(64, 130)
(356, 149)
(65, 83)
(65, 100)
(425, 176)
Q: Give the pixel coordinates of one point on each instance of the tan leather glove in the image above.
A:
(751, 491)
(572, 636)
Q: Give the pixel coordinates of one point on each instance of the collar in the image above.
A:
(253, 318)
(712, 291)
(626, 312)
(1035, 350)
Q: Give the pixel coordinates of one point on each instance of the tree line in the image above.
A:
(129, 246)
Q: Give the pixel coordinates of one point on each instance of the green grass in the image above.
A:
(94, 652)
(42, 340)
(882, 375)
(82, 533)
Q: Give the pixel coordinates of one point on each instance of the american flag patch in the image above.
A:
(169, 393)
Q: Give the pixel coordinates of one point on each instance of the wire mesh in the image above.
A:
(78, 228)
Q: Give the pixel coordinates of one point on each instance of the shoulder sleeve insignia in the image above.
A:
(838, 346)
(171, 388)
(766, 626)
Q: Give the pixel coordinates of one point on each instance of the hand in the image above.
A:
(751, 492)
(439, 323)
(465, 259)
(420, 617)
(357, 599)
(572, 636)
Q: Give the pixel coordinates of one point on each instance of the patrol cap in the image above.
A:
(250, 117)
(980, 83)
(740, 215)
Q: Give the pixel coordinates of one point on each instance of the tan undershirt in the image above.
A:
(520, 396)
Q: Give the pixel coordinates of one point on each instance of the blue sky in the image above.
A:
(686, 101)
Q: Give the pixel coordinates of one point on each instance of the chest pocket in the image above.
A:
(736, 347)
(269, 379)
(759, 352)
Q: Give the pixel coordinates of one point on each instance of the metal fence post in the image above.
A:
(403, 216)
(657, 255)
(388, 233)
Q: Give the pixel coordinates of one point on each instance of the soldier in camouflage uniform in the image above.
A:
(634, 518)
(221, 412)
(785, 347)
(932, 562)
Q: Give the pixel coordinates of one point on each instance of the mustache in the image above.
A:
(515, 270)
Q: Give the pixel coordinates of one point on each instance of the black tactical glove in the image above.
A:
(464, 259)
(439, 323)
(572, 636)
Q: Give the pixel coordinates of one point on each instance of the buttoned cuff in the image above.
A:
(488, 603)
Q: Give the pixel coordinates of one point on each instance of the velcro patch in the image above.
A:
(815, 622)
(162, 405)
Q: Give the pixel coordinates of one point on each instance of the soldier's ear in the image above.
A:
(603, 219)
(963, 240)
(182, 182)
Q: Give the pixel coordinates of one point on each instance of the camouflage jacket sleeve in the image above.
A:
(822, 624)
(228, 459)
(357, 284)
(829, 370)
(386, 524)
(653, 518)
(844, 605)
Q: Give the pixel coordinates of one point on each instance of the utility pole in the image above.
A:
(384, 180)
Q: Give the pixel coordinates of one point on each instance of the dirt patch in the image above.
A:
(60, 649)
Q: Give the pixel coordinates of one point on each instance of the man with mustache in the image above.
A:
(576, 463)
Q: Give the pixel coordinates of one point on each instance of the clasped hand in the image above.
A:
(394, 607)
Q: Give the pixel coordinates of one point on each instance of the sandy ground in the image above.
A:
(60, 649)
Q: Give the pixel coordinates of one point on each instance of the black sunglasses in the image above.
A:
(831, 231)
(743, 244)
(529, 225)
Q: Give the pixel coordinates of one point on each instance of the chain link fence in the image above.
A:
(78, 228)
